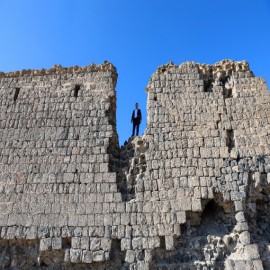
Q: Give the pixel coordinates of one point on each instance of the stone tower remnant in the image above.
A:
(192, 193)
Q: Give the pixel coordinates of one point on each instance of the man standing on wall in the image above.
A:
(136, 119)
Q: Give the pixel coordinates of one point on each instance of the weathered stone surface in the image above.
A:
(192, 192)
(244, 238)
(87, 256)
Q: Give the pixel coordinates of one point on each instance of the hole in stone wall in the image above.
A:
(192, 244)
(262, 219)
(162, 242)
(76, 90)
(224, 81)
(208, 85)
(16, 94)
(66, 243)
(230, 139)
(227, 92)
(210, 211)
(117, 256)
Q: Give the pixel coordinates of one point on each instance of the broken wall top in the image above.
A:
(58, 69)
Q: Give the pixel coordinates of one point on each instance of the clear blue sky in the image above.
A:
(136, 36)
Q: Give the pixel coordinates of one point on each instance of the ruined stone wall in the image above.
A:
(192, 193)
(208, 136)
(55, 182)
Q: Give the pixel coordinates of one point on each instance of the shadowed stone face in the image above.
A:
(191, 193)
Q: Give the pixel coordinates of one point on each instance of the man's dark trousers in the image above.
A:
(136, 125)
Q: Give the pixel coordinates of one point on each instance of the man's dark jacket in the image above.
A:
(139, 116)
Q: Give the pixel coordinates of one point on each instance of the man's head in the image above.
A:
(136, 105)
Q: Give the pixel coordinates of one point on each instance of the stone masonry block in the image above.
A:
(137, 243)
(244, 238)
(94, 243)
(75, 255)
(87, 256)
(45, 244)
(67, 255)
(258, 265)
(241, 226)
(238, 205)
(85, 242)
(130, 256)
(251, 252)
(153, 242)
(169, 242)
(57, 243)
(125, 244)
(181, 217)
(196, 205)
(68, 177)
(240, 217)
(76, 242)
(185, 204)
(105, 244)
(98, 256)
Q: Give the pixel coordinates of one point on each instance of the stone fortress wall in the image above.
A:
(192, 193)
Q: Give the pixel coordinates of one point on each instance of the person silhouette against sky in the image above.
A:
(136, 119)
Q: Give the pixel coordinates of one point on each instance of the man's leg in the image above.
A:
(137, 131)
